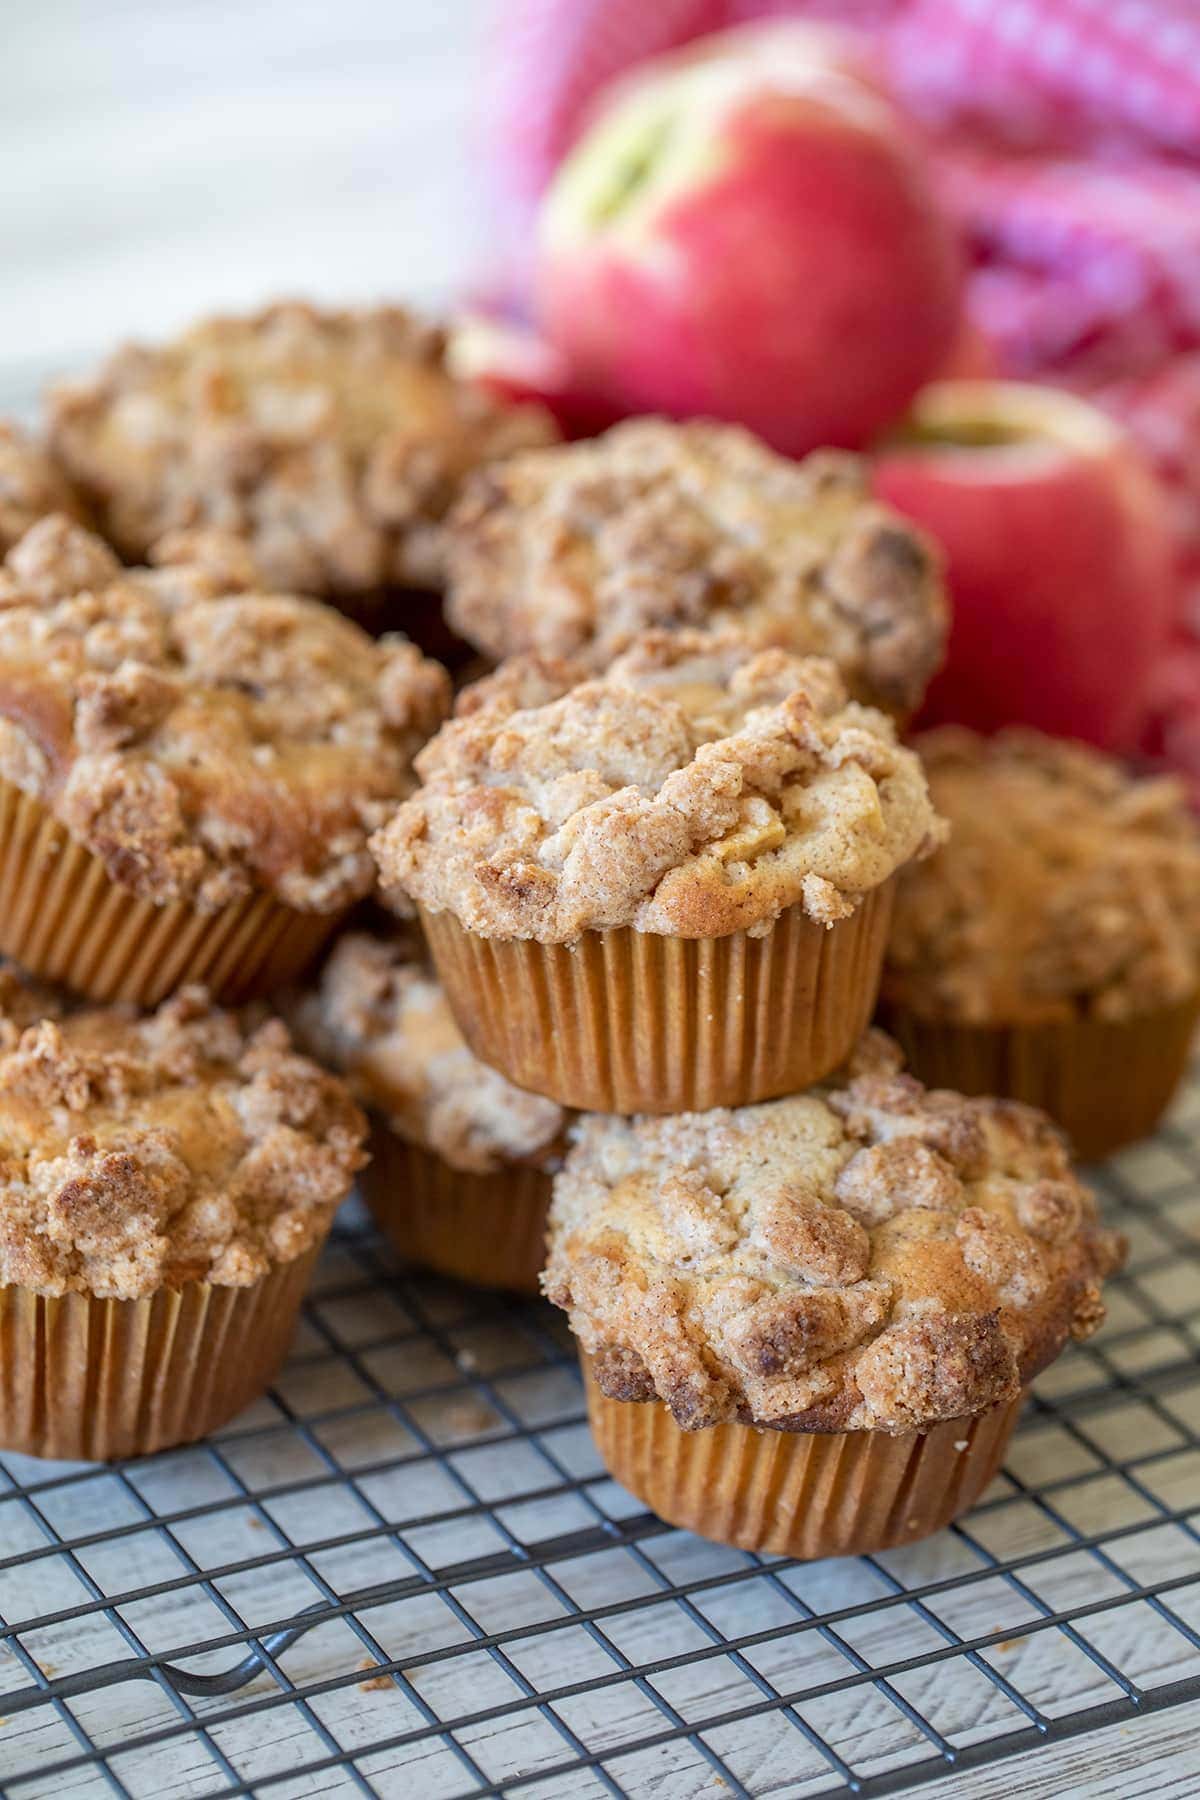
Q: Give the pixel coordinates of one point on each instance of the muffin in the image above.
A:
(461, 1161)
(166, 1183)
(31, 485)
(333, 442)
(665, 887)
(807, 1326)
(188, 777)
(572, 551)
(1051, 949)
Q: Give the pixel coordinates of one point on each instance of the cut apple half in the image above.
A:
(999, 425)
(1058, 551)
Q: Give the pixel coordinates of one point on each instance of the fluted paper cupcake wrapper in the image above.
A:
(1107, 1082)
(87, 1380)
(802, 1494)
(489, 1230)
(63, 918)
(625, 1021)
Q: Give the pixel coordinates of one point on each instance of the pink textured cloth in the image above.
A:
(1066, 136)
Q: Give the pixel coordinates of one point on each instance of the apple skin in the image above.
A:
(750, 242)
(971, 357)
(514, 364)
(1172, 733)
(1059, 558)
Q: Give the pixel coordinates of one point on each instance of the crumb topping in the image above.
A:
(201, 742)
(573, 550)
(144, 1152)
(333, 442)
(31, 485)
(1068, 887)
(696, 788)
(868, 1255)
(381, 1019)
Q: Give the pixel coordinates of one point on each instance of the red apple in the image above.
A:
(517, 365)
(1059, 554)
(748, 233)
(1171, 734)
(970, 357)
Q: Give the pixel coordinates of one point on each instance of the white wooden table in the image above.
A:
(159, 160)
(163, 159)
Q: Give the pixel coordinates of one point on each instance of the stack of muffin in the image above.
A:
(644, 879)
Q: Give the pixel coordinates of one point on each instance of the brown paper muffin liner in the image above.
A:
(64, 919)
(83, 1379)
(1106, 1081)
(625, 1021)
(489, 1230)
(802, 1494)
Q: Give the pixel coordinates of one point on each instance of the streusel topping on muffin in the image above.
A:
(203, 744)
(697, 788)
(333, 442)
(869, 1255)
(573, 550)
(382, 1020)
(1067, 886)
(145, 1152)
(31, 485)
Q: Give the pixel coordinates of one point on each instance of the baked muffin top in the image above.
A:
(334, 442)
(31, 485)
(868, 1255)
(382, 1020)
(571, 551)
(696, 788)
(201, 743)
(1067, 887)
(143, 1152)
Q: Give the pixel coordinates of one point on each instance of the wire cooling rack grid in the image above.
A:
(406, 1573)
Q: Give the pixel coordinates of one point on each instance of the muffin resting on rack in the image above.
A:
(166, 1182)
(847, 1268)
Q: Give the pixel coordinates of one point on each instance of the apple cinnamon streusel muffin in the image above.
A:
(1051, 949)
(31, 485)
(572, 550)
(461, 1160)
(807, 1325)
(333, 442)
(663, 887)
(188, 777)
(166, 1183)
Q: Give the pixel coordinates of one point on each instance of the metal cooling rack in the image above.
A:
(406, 1573)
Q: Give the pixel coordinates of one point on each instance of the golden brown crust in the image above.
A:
(332, 442)
(144, 1152)
(870, 1255)
(1068, 888)
(203, 743)
(31, 485)
(381, 1019)
(697, 788)
(574, 550)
